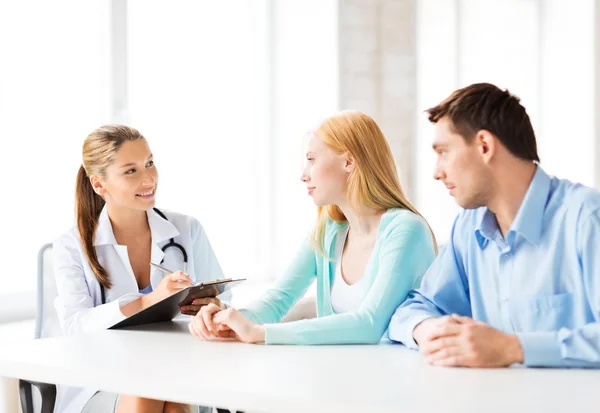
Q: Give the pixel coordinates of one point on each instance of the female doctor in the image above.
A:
(102, 265)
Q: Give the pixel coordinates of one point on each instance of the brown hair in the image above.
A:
(99, 151)
(485, 106)
(374, 183)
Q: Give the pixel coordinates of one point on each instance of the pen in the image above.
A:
(165, 270)
(160, 267)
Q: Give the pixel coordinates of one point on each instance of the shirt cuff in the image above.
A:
(403, 332)
(541, 349)
(126, 299)
(104, 317)
(112, 309)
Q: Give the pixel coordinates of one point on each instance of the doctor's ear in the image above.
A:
(97, 185)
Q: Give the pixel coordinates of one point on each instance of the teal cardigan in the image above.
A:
(404, 249)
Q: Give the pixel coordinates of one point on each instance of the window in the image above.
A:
(542, 51)
(52, 94)
(223, 91)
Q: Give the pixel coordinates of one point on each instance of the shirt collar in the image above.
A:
(529, 220)
(487, 228)
(160, 228)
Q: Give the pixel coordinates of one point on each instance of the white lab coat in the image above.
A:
(79, 301)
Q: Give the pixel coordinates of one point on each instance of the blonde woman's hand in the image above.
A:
(234, 324)
(202, 324)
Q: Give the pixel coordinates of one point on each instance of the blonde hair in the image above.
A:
(373, 183)
(99, 152)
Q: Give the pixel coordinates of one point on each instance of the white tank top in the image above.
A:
(344, 297)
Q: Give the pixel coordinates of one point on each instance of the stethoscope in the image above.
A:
(173, 244)
(170, 244)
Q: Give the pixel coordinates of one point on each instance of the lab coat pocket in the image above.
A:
(541, 312)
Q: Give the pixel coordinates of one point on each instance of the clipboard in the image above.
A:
(168, 308)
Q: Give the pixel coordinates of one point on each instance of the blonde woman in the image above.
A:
(102, 265)
(368, 249)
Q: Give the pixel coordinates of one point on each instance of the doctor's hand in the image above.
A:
(170, 284)
(198, 303)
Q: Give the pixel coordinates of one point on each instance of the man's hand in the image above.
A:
(461, 341)
(432, 328)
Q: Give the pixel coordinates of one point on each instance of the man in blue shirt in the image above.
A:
(519, 281)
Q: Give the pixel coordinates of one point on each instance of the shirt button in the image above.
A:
(504, 299)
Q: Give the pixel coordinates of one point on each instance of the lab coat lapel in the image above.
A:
(105, 236)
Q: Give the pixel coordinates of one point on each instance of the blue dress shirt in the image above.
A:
(541, 281)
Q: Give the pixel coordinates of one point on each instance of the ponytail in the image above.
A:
(99, 152)
(88, 207)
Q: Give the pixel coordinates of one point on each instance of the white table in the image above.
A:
(170, 364)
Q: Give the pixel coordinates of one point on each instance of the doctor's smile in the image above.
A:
(147, 195)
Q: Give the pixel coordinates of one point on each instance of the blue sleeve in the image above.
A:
(405, 254)
(578, 347)
(444, 290)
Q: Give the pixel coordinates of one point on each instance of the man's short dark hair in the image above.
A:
(485, 106)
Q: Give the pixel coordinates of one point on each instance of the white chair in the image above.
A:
(46, 325)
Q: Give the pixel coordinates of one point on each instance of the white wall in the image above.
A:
(223, 91)
(542, 51)
(377, 66)
(52, 94)
(566, 126)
